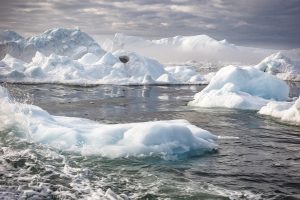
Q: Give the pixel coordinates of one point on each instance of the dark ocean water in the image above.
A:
(258, 156)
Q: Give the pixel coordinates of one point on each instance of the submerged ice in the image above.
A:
(164, 138)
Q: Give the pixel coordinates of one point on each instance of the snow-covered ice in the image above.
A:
(281, 66)
(61, 41)
(241, 87)
(165, 138)
(9, 36)
(187, 74)
(185, 48)
(93, 70)
(69, 56)
(204, 50)
(285, 111)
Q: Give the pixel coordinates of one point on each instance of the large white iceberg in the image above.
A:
(285, 111)
(91, 69)
(241, 87)
(164, 138)
(181, 49)
(281, 66)
(61, 41)
(69, 56)
(180, 42)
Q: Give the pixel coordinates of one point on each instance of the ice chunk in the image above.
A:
(9, 36)
(108, 59)
(90, 70)
(61, 41)
(241, 87)
(281, 66)
(89, 58)
(285, 111)
(165, 138)
(184, 48)
(186, 74)
(148, 79)
(275, 63)
(69, 56)
(139, 65)
(166, 78)
(13, 63)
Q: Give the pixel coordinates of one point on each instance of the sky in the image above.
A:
(259, 23)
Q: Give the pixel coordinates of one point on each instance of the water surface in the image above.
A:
(258, 156)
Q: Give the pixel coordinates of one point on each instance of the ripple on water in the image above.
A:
(258, 158)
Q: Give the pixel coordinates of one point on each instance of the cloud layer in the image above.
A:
(266, 23)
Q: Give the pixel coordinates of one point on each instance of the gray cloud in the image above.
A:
(265, 23)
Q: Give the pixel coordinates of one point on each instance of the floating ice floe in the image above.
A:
(69, 56)
(241, 87)
(285, 111)
(186, 74)
(164, 138)
(281, 66)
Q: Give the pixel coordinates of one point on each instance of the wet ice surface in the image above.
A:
(258, 156)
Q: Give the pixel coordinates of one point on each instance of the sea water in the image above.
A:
(258, 157)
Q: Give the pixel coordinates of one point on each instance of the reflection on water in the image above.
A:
(258, 157)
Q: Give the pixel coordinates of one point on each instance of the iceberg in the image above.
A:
(242, 88)
(168, 139)
(91, 70)
(69, 56)
(61, 41)
(285, 111)
(187, 74)
(9, 36)
(180, 49)
(280, 65)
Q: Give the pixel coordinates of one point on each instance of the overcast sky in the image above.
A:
(265, 23)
